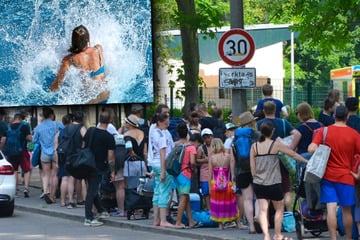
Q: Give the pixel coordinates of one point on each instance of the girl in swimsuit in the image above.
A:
(89, 59)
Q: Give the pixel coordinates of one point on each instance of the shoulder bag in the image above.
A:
(315, 168)
(82, 164)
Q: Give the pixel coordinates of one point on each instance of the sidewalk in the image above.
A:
(36, 205)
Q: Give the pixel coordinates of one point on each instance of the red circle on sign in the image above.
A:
(233, 33)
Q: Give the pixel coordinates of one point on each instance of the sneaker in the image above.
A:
(118, 214)
(102, 215)
(92, 223)
(26, 193)
(80, 204)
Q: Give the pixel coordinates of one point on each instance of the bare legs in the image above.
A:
(49, 178)
(120, 195)
(263, 217)
(248, 195)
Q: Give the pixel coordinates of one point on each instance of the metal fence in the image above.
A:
(315, 96)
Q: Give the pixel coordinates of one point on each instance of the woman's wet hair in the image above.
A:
(266, 129)
(79, 39)
(196, 137)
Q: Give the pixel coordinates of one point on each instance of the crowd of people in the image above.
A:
(231, 192)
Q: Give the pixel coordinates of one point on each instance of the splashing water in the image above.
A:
(35, 36)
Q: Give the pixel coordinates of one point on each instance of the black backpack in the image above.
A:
(66, 143)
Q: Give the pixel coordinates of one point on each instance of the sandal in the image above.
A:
(257, 226)
(197, 225)
(48, 200)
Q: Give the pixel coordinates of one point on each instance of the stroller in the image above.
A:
(307, 219)
(134, 171)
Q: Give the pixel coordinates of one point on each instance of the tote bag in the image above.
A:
(316, 166)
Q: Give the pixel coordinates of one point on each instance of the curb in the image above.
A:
(43, 210)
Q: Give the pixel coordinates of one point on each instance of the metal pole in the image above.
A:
(239, 101)
(292, 71)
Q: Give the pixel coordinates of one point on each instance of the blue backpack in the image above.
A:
(13, 145)
(241, 147)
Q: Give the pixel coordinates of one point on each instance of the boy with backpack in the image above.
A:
(15, 148)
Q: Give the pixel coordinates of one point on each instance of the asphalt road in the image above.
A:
(27, 226)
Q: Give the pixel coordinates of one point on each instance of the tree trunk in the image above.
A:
(190, 49)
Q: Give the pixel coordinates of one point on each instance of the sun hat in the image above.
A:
(206, 131)
(230, 126)
(246, 118)
(132, 120)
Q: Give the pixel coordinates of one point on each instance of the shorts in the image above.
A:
(22, 160)
(47, 158)
(243, 180)
(62, 172)
(204, 188)
(271, 192)
(183, 184)
(341, 193)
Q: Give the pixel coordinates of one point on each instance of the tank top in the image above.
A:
(267, 168)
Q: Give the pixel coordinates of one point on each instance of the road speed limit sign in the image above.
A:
(236, 47)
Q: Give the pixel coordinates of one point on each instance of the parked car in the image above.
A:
(7, 187)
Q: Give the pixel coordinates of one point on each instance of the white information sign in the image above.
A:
(237, 77)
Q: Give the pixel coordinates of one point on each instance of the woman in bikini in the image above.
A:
(89, 59)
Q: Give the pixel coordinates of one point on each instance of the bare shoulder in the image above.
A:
(99, 46)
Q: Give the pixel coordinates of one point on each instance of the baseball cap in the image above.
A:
(206, 131)
(230, 126)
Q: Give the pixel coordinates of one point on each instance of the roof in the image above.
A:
(263, 35)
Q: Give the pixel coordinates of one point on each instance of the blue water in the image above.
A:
(36, 34)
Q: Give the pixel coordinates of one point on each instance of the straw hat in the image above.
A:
(132, 120)
(246, 118)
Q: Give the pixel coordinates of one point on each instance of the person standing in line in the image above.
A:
(203, 154)
(23, 159)
(183, 180)
(337, 184)
(44, 134)
(223, 205)
(244, 179)
(267, 91)
(326, 115)
(103, 147)
(283, 128)
(353, 121)
(265, 170)
(160, 146)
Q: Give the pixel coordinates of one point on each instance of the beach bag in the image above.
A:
(241, 148)
(82, 163)
(288, 223)
(35, 156)
(221, 181)
(316, 166)
(174, 160)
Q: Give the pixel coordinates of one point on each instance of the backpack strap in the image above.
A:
(205, 150)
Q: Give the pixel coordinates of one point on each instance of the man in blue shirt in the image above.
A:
(267, 91)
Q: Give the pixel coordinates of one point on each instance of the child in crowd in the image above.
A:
(203, 153)
(223, 205)
(183, 180)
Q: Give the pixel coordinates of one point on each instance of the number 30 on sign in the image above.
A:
(236, 47)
